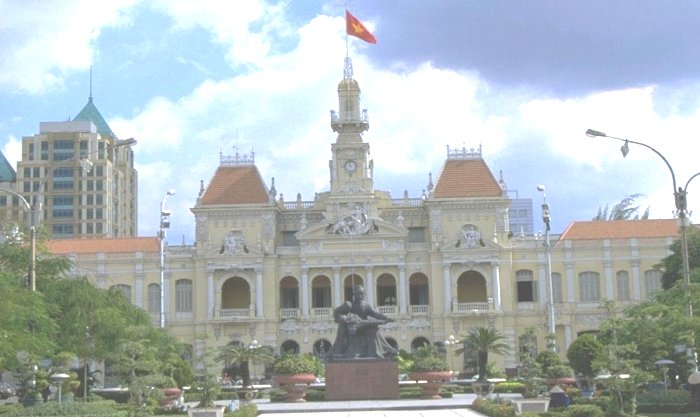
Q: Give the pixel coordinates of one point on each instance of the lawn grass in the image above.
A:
(668, 414)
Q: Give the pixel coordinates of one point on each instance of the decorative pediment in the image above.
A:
(380, 227)
(234, 244)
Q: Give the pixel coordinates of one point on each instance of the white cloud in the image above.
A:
(12, 149)
(43, 41)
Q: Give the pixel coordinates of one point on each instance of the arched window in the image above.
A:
(471, 288)
(323, 348)
(124, 289)
(289, 346)
(289, 292)
(525, 286)
(235, 294)
(652, 282)
(183, 296)
(418, 290)
(589, 286)
(623, 286)
(556, 288)
(386, 290)
(418, 342)
(153, 298)
(350, 281)
(393, 343)
(321, 292)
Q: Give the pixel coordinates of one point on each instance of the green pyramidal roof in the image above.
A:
(89, 113)
(7, 173)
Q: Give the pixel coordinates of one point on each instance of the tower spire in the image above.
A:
(90, 98)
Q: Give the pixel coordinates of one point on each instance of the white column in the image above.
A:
(636, 280)
(259, 292)
(542, 296)
(337, 287)
(403, 300)
(139, 290)
(447, 288)
(496, 281)
(369, 286)
(304, 290)
(609, 280)
(210, 294)
(570, 282)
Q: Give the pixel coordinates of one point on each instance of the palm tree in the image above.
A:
(237, 353)
(483, 340)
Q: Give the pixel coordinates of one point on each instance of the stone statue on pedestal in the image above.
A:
(358, 330)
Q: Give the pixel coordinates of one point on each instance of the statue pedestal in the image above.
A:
(362, 379)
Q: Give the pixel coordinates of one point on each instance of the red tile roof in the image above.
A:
(466, 178)
(107, 245)
(621, 229)
(236, 185)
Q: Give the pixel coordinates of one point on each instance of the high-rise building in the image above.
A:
(79, 178)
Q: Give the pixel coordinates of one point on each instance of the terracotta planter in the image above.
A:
(430, 382)
(171, 394)
(295, 385)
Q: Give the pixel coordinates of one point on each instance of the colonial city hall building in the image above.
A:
(272, 270)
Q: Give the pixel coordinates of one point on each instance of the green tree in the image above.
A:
(672, 265)
(619, 358)
(626, 209)
(243, 355)
(26, 326)
(484, 341)
(529, 370)
(582, 354)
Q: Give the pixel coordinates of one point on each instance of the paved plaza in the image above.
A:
(458, 406)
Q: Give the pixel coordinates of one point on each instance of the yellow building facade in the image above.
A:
(272, 270)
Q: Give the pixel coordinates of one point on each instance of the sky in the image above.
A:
(523, 80)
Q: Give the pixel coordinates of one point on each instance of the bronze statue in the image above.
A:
(358, 330)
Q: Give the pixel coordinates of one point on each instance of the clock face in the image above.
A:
(350, 166)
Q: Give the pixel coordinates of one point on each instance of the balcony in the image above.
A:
(472, 307)
(322, 312)
(289, 313)
(419, 310)
(388, 310)
(234, 313)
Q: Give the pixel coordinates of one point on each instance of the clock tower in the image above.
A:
(351, 169)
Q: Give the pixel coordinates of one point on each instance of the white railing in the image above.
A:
(471, 307)
(419, 310)
(289, 313)
(387, 310)
(321, 312)
(235, 313)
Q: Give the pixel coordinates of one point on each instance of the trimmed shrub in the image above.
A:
(584, 410)
(509, 388)
(677, 401)
(493, 409)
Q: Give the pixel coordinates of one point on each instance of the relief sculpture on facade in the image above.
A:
(357, 223)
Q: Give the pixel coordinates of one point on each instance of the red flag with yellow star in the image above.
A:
(357, 29)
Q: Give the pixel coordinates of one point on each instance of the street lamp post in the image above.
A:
(680, 195)
(451, 340)
(31, 283)
(164, 225)
(547, 219)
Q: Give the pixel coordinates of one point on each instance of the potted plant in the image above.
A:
(245, 355)
(484, 341)
(430, 370)
(294, 373)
